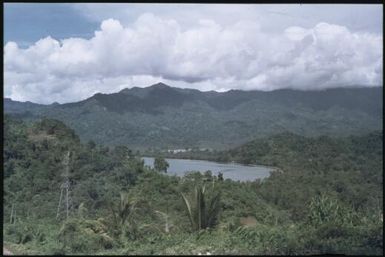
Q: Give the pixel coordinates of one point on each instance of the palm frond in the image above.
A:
(205, 211)
(213, 210)
(189, 210)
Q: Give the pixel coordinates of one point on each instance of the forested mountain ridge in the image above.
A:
(165, 117)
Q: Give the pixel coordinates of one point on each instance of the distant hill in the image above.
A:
(167, 117)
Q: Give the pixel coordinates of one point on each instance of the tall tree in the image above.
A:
(160, 164)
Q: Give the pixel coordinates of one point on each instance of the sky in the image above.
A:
(68, 52)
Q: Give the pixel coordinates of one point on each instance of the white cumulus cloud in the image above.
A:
(206, 56)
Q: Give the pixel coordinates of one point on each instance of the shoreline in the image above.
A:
(226, 163)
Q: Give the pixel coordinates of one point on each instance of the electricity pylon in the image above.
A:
(65, 186)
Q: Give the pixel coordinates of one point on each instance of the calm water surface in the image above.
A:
(232, 171)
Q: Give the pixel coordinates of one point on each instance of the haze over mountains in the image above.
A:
(167, 117)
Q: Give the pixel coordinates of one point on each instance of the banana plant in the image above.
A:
(203, 210)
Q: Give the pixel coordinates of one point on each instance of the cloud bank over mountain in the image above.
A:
(206, 56)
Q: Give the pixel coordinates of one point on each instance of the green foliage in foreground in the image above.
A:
(203, 211)
(329, 204)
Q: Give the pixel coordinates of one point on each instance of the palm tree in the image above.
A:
(126, 215)
(126, 208)
(124, 212)
(203, 211)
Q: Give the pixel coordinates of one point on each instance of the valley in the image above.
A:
(323, 196)
(193, 129)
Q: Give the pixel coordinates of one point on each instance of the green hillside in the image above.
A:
(165, 117)
(326, 197)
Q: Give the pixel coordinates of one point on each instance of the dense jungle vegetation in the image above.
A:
(164, 117)
(325, 197)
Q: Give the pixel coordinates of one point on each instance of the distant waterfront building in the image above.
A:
(188, 150)
(178, 150)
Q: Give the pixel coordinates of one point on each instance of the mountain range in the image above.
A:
(160, 116)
